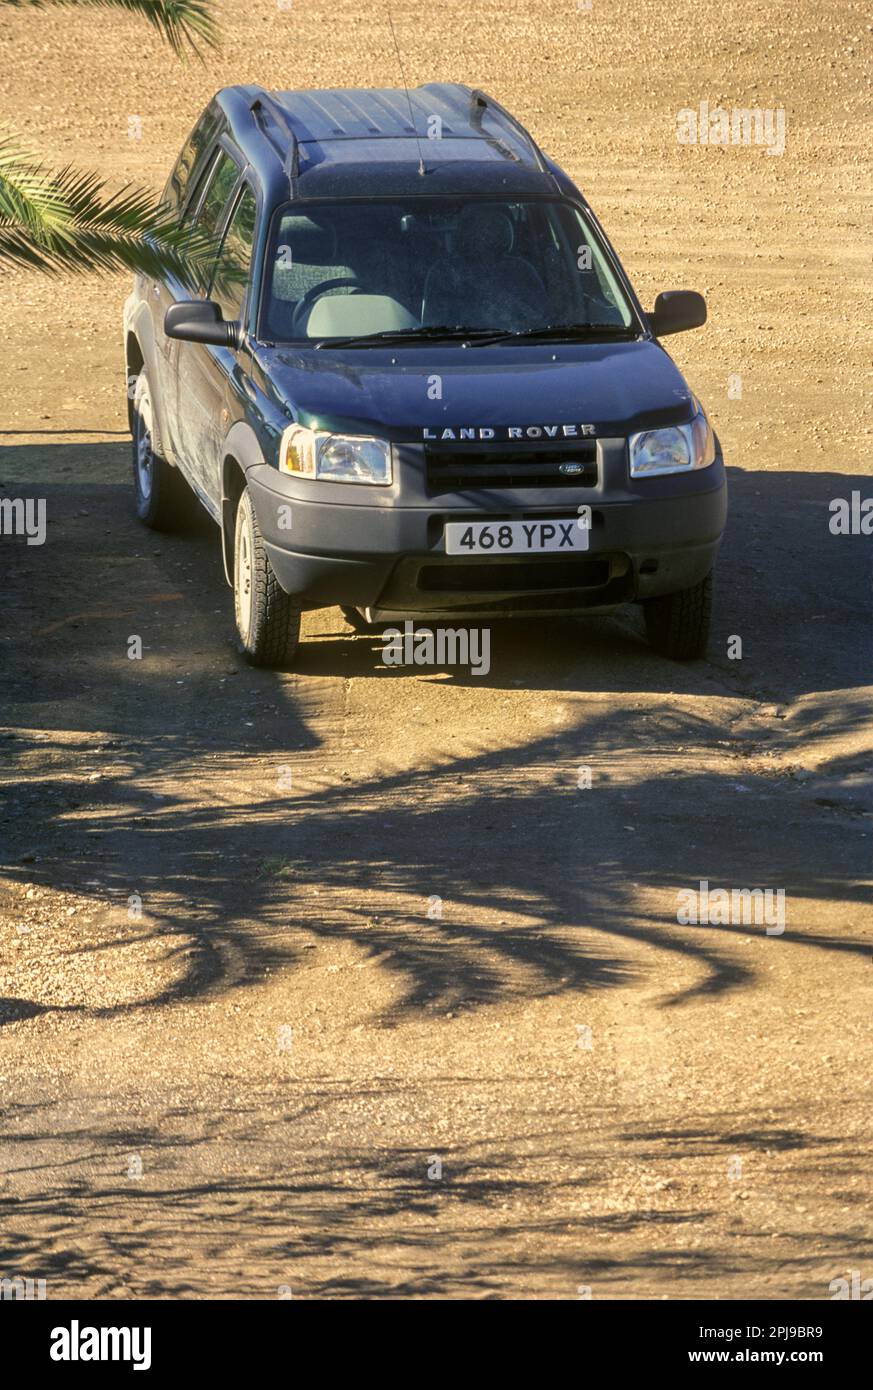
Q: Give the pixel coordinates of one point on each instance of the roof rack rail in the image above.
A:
(266, 105)
(480, 102)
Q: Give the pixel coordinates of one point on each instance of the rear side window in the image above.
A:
(231, 277)
(203, 134)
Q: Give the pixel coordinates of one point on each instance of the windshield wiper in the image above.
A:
(567, 331)
(482, 336)
(398, 335)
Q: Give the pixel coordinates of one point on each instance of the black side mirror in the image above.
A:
(201, 321)
(676, 310)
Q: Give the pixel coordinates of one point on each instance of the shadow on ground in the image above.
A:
(293, 1213)
(501, 831)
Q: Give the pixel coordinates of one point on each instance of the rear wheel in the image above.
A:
(267, 619)
(163, 499)
(677, 625)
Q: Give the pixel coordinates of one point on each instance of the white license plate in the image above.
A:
(515, 537)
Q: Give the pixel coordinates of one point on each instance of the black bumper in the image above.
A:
(652, 537)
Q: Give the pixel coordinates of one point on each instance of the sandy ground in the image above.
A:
(284, 1076)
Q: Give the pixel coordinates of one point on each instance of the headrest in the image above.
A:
(311, 242)
(339, 315)
(484, 230)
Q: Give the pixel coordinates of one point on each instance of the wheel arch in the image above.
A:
(241, 452)
(134, 363)
(140, 351)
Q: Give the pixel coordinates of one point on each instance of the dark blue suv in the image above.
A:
(418, 382)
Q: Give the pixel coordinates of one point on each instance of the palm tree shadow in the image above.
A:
(541, 885)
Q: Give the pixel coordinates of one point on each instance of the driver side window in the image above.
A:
(209, 208)
(221, 185)
(231, 276)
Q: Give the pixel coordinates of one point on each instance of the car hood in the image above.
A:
(399, 392)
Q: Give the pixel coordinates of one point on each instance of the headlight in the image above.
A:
(337, 458)
(678, 449)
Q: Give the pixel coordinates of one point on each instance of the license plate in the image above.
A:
(515, 537)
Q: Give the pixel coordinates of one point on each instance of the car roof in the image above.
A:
(441, 138)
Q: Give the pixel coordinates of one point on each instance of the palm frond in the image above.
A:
(90, 230)
(180, 22)
(27, 192)
(18, 247)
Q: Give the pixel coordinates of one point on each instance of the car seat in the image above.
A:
(483, 283)
(305, 256)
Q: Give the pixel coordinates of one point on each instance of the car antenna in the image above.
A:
(421, 168)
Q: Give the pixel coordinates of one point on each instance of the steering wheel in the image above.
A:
(599, 309)
(305, 304)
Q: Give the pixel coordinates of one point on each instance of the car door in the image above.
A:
(190, 408)
(183, 191)
(209, 378)
(213, 376)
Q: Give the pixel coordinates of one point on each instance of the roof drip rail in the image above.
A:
(480, 102)
(265, 105)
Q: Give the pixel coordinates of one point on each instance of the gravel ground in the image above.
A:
(240, 1057)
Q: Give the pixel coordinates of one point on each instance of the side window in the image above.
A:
(203, 134)
(230, 281)
(224, 175)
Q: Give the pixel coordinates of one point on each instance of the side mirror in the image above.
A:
(201, 321)
(676, 310)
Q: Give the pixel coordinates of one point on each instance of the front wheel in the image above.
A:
(267, 619)
(677, 625)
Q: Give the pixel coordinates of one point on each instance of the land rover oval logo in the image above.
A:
(571, 468)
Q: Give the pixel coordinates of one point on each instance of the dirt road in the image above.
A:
(245, 1053)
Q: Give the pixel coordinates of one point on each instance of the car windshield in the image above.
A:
(351, 270)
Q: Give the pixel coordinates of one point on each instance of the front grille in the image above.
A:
(460, 468)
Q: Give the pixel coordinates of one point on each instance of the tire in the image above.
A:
(677, 625)
(267, 619)
(164, 502)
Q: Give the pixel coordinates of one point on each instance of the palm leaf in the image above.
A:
(87, 229)
(56, 222)
(27, 194)
(180, 22)
(18, 247)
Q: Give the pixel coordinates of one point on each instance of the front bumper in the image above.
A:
(647, 537)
